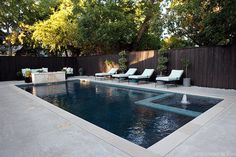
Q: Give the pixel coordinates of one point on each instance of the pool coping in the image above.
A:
(161, 148)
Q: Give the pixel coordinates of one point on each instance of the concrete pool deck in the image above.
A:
(30, 126)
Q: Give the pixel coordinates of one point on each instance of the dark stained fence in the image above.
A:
(140, 60)
(210, 66)
(9, 66)
(93, 64)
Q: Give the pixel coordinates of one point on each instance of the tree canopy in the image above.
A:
(204, 22)
(14, 12)
(59, 32)
(90, 27)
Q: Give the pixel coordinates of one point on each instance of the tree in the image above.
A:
(149, 25)
(204, 22)
(106, 27)
(59, 32)
(13, 12)
(113, 26)
(173, 42)
(92, 26)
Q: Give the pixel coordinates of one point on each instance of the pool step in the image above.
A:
(148, 102)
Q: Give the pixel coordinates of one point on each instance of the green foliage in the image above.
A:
(209, 22)
(59, 31)
(186, 63)
(122, 61)
(15, 12)
(149, 42)
(109, 63)
(22, 37)
(106, 27)
(28, 73)
(149, 24)
(91, 27)
(26, 11)
(19, 74)
(175, 42)
(162, 61)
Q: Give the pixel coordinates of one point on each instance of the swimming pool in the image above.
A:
(140, 116)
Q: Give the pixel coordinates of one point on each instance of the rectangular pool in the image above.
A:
(143, 117)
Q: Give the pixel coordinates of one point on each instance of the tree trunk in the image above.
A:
(66, 52)
(143, 28)
(8, 42)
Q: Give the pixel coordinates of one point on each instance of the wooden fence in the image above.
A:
(210, 66)
(139, 60)
(9, 66)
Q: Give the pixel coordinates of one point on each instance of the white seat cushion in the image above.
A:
(147, 73)
(102, 74)
(131, 71)
(176, 74)
(166, 78)
(109, 73)
(138, 77)
(112, 71)
(120, 75)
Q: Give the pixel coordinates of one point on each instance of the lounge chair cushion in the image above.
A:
(109, 73)
(131, 71)
(103, 74)
(147, 73)
(138, 77)
(166, 78)
(120, 75)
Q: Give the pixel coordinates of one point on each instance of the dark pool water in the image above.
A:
(114, 109)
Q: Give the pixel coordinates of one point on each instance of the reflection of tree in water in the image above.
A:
(137, 132)
(107, 92)
(165, 123)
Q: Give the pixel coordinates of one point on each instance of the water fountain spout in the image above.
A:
(185, 100)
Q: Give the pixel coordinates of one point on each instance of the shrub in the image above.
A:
(122, 61)
(161, 61)
(28, 73)
(186, 64)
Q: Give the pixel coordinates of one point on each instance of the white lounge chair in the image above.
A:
(109, 73)
(147, 73)
(131, 71)
(174, 76)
